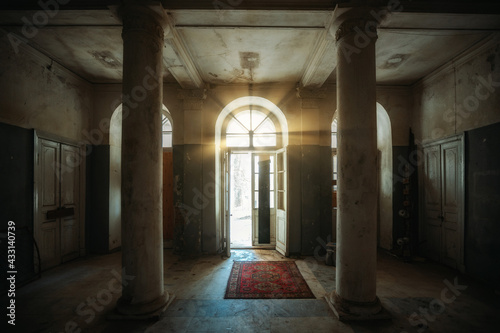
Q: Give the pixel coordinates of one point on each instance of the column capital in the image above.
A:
(148, 18)
(193, 98)
(358, 25)
(355, 21)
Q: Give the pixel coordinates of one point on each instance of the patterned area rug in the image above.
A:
(266, 279)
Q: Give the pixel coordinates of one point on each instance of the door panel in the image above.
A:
(264, 182)
(451, 189)
(69, 238)
(57, 191)
(432, 188)
(264, 202)
(227, 212)
(70, 181)
(48, 198)
(49, 235)
(443, 201)
(281, 217)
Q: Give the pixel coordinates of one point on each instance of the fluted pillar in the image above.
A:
(355, 296)
(143, 291)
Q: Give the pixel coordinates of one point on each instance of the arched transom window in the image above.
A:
(251, 128)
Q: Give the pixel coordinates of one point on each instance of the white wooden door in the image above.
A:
(443, 202)
(47, 231)
(57, 198)
(227, 203)
(281, 201)
(271, 203)
(70, 180)
(432, 203)
(452, 203)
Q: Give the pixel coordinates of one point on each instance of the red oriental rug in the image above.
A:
(266, 279)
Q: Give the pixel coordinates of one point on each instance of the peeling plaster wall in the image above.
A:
(464, 97)
(461, 96)
(38, 93)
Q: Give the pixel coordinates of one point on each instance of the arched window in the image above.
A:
(250, 128)
(334, 134)
(334, 154)
(166, 127)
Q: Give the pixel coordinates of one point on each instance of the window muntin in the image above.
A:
(251, 128)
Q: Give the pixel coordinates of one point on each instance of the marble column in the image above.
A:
(355, 295)
(143, 293)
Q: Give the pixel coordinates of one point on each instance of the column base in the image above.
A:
(356, 311)
(148, 311)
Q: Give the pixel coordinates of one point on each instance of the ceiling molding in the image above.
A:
(440, 22)
(173, 37)
(316, 73)
(254, 18)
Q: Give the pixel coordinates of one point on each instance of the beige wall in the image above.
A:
(460, 96)
(38, 93)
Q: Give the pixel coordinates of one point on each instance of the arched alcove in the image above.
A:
(168, 178)
(115, 178)
(384, 146)
(385, 174)
(115, 143)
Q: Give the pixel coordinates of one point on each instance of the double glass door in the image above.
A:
(252, 199)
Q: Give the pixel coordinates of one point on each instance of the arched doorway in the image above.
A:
(251, 139)
(115, 179)
(115, 142)
(385, 171)
(168, 179)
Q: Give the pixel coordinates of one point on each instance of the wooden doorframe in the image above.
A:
(461, 186)
(82, 181)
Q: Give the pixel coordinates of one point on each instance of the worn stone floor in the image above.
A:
(421, 296)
